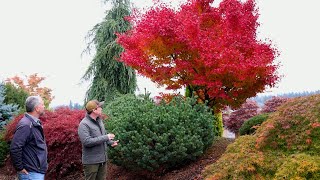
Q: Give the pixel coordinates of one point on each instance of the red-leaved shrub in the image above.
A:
(237, 117)
(272, 104)
(61, 133)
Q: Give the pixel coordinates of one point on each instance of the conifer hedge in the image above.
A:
(158, 137)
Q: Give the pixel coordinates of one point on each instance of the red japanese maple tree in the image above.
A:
(212, 51)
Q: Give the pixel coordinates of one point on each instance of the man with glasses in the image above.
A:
(28, 148)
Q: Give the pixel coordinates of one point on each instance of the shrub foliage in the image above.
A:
(239, 116)
(64, 147)
(272, 104)
(300, 166)
(158, 137)
(4, 150)
(249, 126)
(285, 146)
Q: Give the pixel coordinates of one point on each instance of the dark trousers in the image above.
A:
(95, 171)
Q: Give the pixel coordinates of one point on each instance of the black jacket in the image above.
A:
(28, 148)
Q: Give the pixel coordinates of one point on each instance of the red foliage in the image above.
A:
(315, 125)
(11, 127)
(64, 147)
(295, 127)
(237, 117)
(272, 104)
(211, 48)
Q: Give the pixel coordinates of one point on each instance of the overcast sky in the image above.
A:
(48, 36)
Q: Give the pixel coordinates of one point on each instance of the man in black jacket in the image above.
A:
(28, 148)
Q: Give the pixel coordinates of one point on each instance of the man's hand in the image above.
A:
(115, 143)
(24, 171)
(111, 136)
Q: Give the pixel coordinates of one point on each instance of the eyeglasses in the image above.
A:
(97, 108)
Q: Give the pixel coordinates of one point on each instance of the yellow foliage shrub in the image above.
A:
(286, 146)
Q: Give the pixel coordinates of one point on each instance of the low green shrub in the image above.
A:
(248, 127)
(158, 137)
(4, 149)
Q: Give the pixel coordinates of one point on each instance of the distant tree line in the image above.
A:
(75, 105)
(260, 99)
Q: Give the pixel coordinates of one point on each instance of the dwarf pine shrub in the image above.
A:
(158, 136)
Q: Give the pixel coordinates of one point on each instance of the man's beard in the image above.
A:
(42, 113)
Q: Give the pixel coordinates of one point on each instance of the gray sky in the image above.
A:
(48, 36)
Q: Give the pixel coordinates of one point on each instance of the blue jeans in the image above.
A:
(30, 176)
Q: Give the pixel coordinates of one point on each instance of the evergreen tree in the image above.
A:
(15, 95)
(6, 110)
(108, 76)
(70, 105)
(74, 105)
(77, 106)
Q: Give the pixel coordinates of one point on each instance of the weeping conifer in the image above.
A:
(109, 77)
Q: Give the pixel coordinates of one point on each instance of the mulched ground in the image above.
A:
(191, 171)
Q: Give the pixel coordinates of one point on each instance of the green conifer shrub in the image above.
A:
(158, 136)
(248, 127)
